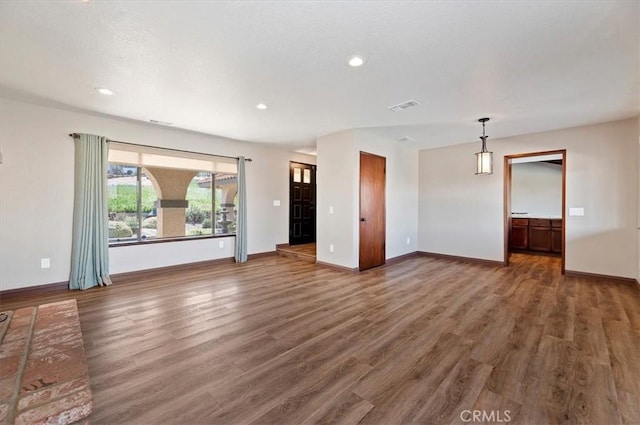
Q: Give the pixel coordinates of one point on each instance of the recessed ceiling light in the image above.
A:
(104, 91)
(261, 106)
(356, 61)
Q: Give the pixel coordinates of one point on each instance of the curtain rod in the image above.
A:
(170, 149)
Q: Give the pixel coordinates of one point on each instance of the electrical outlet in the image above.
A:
(330, 210)
(45, 263)
(220, 244)
(408, 241)
(330, 247)
(276, 203)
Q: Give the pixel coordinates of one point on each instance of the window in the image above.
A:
(131, 201)
(161, 194)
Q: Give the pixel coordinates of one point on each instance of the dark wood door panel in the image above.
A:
(556, 239)
(519, 237)
(540, 239)
(372, 210)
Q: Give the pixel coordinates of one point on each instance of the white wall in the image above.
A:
(36, 193)
(338, 187)
(462, 214)
(536, 188)
(459, 213)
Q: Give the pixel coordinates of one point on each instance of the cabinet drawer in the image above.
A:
(556, 223)
(539, 222)
(519, 221)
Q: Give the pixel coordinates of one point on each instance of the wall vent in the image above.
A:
(161, 122)
(404, 105)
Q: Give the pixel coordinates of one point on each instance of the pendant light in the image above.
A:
(484, 158)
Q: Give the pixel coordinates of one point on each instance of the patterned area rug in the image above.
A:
(43, 370)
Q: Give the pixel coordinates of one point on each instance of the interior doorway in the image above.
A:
(302, 203)
(535, 223)
(372, 210)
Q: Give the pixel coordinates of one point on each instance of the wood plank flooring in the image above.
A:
(304, 252)
(280, 341)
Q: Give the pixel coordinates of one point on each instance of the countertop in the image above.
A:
(545, 217)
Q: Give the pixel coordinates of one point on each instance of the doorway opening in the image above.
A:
(534, 204)
(302, 203)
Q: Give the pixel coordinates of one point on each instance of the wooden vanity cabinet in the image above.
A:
(536, 234)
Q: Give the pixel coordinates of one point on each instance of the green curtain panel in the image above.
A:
(241, 219)
(90, 248)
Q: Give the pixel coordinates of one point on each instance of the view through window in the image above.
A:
(160, 194)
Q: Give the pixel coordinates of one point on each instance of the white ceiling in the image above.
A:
(529, 65)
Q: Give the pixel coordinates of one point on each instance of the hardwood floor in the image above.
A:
(304, 252)
(425, 340)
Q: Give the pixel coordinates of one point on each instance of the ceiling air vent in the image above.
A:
(406, 139)
(404, 105)
(161, 122)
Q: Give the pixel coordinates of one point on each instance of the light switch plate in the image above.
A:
(276, 203)
(45, 263)
(576, 211)
(330, 210)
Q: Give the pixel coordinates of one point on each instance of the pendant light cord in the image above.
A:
(484, 137)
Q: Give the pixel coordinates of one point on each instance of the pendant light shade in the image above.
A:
(484, 158)
(484, 163)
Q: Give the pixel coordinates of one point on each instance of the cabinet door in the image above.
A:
(540, 238)
(556, 240)
(518, 238)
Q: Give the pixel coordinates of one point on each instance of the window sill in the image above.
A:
(165, 240)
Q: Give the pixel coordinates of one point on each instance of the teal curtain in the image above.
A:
(90, 245)
(241, 218)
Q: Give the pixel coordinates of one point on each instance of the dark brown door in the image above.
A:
(372, 210)
(302, 203)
